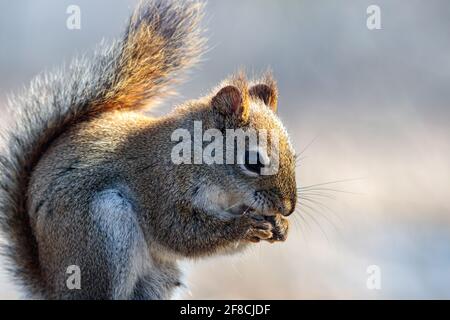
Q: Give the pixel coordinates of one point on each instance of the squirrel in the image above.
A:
(87, 178)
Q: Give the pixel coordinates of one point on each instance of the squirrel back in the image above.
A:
(163, 39)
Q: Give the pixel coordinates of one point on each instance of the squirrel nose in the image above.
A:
(287, 207)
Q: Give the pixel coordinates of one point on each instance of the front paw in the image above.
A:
(269, 228)
(258, 229)
(280, 228)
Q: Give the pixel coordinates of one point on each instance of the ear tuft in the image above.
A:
(266, 89)
(230, 102)
(268, 94)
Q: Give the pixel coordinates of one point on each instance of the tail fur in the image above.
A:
(163, 38)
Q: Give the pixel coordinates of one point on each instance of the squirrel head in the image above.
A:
(248, 162)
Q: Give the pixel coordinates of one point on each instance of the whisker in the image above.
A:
(298, 161)
(318, 194)
(232, 206)
(331, 182)
(330, 190)
(324, 206)
(323, 215)
(302, 221)
(311, 208)
(306, 148)
(317, 223)
(251, 205)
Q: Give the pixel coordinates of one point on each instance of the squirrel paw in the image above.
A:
(280, 228)
(259, 229)
(269, 228)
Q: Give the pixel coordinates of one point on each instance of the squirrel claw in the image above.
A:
(280, 228)
(271, 228)
(259, 230)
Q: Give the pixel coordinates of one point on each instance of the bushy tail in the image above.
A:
(162, 39)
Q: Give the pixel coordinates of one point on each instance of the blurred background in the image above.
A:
(368, 109)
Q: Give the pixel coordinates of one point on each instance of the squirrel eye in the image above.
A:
(253, 162)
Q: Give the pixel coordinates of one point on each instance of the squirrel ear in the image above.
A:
(267, 94)
(230, 102)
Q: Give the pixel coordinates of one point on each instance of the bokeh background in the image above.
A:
(375, 104)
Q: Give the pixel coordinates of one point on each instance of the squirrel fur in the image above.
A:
(86, 178)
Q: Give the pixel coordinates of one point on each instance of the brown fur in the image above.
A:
(92, 183)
